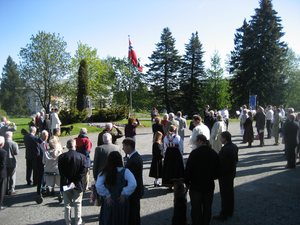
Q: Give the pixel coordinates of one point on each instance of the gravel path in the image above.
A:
(265, 192)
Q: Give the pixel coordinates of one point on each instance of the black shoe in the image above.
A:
(220, 217)
(289, 167)
(260, 146)
(249, 146)
(52, 193)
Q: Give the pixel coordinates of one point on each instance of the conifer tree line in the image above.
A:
(260, 64)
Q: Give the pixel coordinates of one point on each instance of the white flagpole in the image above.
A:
(130, 83)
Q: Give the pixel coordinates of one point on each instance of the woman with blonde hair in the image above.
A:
(157, 156)
(215, 137)
(173, 163)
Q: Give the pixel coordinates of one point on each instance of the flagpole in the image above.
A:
(130, 81)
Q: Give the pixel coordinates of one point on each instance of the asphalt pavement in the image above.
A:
(265, 192)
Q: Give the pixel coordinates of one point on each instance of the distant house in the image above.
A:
(61, 101)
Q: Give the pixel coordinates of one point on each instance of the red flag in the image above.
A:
(133, 58)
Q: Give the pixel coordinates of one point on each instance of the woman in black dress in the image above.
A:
(157, 155)
(157, 126)
(248, 135)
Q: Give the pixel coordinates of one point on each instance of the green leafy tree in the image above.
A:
(217, 90)
(192, 77)
(261, 58)
(82, 84)
(12, 93)
(292, 71)
(45, 62)
(164, 70)
(121, 88)
(100, 74)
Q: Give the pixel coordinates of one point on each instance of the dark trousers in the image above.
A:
(39, 179)
(262, 138)
(134, 212)
(201, 207)
(291, 154)
(2, 189)
(269, 127)
(227, 196)
(226, 122)
(30, 170)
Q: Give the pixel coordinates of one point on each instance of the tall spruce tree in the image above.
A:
(240, 60)
(192, 77)
(261, 58)
(82, 84)
(12, 91)
(163, 71)
(217, 89)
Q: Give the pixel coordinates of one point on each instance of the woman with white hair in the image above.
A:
(165, 120)
(50, 160)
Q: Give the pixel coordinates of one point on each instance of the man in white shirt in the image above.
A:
(225, 115)
(55, 120)
(269, 116)
(282, 111)
(200, 128)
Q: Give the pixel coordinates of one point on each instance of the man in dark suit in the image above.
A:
(41, 147)
(3, 175)
(72, 169)
(135, 165)
(202, 168)
(12, 150)
(108, 129)
(290, 131)
(47, 125)
(41, 122)
(30, 145)
(102, 152)
(229, 158)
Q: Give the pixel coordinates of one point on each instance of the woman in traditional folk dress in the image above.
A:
(173, 164)
(115, 184)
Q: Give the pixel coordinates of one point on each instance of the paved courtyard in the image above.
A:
(265, 192)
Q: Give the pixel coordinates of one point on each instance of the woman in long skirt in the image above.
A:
(248, 135)
(157, 156)
(173, 164)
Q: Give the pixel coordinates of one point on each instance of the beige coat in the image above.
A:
(215, 137)
(276, 125)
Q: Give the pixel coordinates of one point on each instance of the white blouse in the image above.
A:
(175, 140)
(127, 190)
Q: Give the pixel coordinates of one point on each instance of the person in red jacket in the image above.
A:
(84, 146)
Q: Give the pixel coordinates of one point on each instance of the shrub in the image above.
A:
(72, 115)
(110, 114)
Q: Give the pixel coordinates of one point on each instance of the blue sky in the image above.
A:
(105, 25)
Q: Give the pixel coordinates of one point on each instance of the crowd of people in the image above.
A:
(119, 183)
